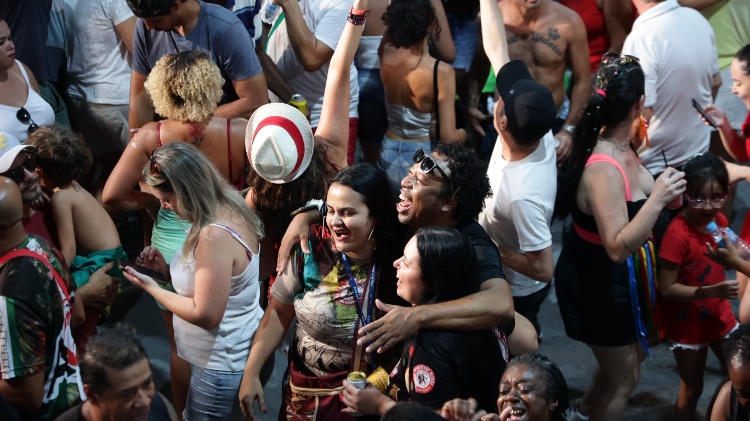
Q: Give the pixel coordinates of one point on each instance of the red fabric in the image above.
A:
(596, 31)
(351, 147)
(745, 232)
(37, 225)
(290, 128)
(591, 237)
(695, 321)
(746, 134)
(299, 407)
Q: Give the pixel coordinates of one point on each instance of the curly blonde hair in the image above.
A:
(185, 86)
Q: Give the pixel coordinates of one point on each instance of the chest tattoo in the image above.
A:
(552, 35)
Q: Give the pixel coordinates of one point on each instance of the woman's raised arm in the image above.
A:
(333, 127)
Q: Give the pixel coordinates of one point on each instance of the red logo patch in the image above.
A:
(424, 379)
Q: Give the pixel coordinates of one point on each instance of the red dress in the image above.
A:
(694, 322)
(596, 30)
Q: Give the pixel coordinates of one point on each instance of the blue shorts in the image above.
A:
(396, 159)
(213, 395)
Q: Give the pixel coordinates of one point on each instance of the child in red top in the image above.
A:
(694, 305)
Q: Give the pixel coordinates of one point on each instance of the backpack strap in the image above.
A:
(28, 253)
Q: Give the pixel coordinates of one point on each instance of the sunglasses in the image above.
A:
(428, 164)
(621, 58)
(699, 203)
(154, 167)
(25, 118)
(18, 174)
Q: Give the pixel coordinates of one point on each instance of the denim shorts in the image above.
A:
(396, 159)
(373, 120)
(213, 395)
(464, 33)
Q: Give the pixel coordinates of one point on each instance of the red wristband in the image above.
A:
(358, 12)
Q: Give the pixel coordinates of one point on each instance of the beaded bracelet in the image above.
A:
(357, 17)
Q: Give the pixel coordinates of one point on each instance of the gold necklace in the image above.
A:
(615, 146)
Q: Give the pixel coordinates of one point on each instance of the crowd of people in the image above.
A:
(380, 177)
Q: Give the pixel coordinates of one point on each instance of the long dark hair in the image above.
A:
(275, 202)
(618, 85)
(389, 234)
(448, 264)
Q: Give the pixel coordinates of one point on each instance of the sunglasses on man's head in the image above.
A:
(428, 164)
(17, 174)
(622, 58)
(25, 118)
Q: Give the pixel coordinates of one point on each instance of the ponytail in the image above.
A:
(618, 85)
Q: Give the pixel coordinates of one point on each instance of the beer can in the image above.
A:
(299, 102)
(359, 380)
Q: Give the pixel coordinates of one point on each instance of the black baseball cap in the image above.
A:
(529, 106)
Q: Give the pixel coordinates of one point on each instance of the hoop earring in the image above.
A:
(369, 238)
(643, 130)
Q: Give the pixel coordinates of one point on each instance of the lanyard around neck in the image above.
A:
(365, 319)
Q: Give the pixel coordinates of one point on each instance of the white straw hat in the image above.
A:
(279, 142)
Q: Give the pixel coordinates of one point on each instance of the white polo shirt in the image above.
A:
(677, 51)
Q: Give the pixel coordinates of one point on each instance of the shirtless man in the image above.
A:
(548, 38)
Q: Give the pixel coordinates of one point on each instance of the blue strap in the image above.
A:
(364, 319)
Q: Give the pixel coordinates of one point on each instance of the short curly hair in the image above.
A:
(61, 154)
(468, 179)
(408, 22)
(185, 86)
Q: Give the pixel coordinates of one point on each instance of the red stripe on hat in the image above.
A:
(290, 128)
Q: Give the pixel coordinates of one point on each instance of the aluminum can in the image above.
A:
(300, 103)
(359, 380)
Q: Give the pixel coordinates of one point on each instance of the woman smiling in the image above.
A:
(332, 292)
(438, 265)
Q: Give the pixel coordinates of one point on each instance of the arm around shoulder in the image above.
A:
(491, 306)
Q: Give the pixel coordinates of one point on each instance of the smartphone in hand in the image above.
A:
(703, 113)
(156, 276)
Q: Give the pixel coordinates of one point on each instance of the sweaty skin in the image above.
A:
(546, 41)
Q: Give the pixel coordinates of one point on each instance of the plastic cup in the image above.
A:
(675, 203)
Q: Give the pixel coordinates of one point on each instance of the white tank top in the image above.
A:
(40, 111)
(226, 347)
